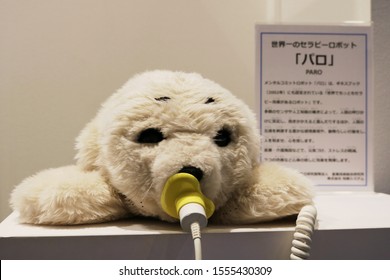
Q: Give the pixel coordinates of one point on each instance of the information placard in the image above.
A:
(315, 98)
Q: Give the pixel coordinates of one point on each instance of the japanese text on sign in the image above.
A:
(313, 104)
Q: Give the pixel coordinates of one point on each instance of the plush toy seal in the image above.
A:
(158, 124)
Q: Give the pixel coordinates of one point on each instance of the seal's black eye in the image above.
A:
(150, 136)
(222, 139)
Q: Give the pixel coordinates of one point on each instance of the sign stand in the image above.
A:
(314, 89)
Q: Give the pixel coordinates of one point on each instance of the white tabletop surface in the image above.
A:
(336, 211)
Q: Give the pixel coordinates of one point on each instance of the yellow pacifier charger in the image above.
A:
(182, 198)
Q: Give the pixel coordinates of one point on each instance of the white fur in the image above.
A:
(116, 176)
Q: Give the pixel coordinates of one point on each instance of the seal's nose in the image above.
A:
(194, 171)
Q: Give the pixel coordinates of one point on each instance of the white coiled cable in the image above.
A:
(301, 243)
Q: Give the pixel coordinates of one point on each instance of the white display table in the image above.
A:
(349, 226)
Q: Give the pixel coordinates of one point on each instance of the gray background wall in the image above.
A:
(380, 16)
(60, 59)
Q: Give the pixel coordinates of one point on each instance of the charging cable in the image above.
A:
(183, 199)
(301, 243)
